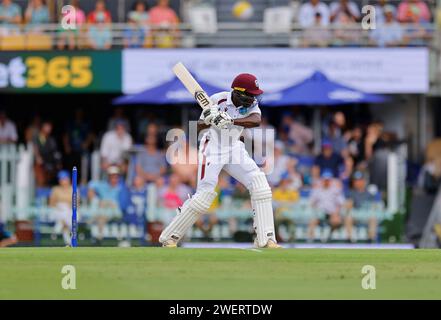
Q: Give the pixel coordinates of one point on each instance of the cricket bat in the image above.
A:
(192, 85)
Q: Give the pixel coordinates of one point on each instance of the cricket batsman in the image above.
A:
(221, 149)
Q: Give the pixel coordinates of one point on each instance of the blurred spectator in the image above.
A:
(285, 193)
(413, 10)
(430, 176)
(328, 161)
(327, 199)
(310, 11)
(362, 201)
(263, 140)
(118, 117)
(78, 140)
(174, 193)
(37, 13)
(60, 201)
(278, 165)
(8, 131)
(32, 130)
(294, 176)
(100, 14)
(134, 205)
(135, 35)
(70, 37)
(380, 10)
(47, 156)
(104, 197)
(284, 196)
(241, 196)
(113, 146)
(347, 31)
(186, 168)
(139, 14)
(10, 17)
(165, 21)
(299, 135)
(6, 238)
(375, 139)
(356, 147)
(208, 220)
(346, 8)
(316, 35)
(418, 29)
(100, 33)
(151, 164)
(336, 137)
(388, 33)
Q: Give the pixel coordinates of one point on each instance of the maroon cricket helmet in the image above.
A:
(248, 83)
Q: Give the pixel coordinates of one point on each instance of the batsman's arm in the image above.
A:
(202, 125)
(252, 121)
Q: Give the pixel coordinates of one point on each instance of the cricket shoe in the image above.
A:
(170, 244)
(271, 244)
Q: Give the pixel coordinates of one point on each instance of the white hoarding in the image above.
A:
(373, 70)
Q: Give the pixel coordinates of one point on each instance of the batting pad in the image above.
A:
(261, 200)
(187, 216)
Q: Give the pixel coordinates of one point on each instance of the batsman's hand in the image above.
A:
(210, 113)
(222, 120)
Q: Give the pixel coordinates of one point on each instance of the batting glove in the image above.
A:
(210, 113)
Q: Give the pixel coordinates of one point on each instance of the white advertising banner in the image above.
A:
(373, 70)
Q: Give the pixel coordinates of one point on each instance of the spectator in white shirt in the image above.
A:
(8, 131)
(327, 199)
(344, 7)
(115, 142)
(308, 12)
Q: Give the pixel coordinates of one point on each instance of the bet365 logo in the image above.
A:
(35, 72)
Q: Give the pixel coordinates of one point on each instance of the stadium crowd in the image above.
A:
(333, 183)
(156, 24)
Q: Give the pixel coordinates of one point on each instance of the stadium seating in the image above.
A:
(38, 41)
(13, 42)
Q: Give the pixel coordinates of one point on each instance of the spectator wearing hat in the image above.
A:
(380, 9)
(362, 202)
(327, 160)
(327, 199)
(104, 198)
(8, 130)
(389, 32)
(60, 201)
(113, 146)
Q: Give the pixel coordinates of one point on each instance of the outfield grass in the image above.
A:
(156, 273)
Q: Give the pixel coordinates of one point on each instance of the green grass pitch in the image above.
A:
(157, 273)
